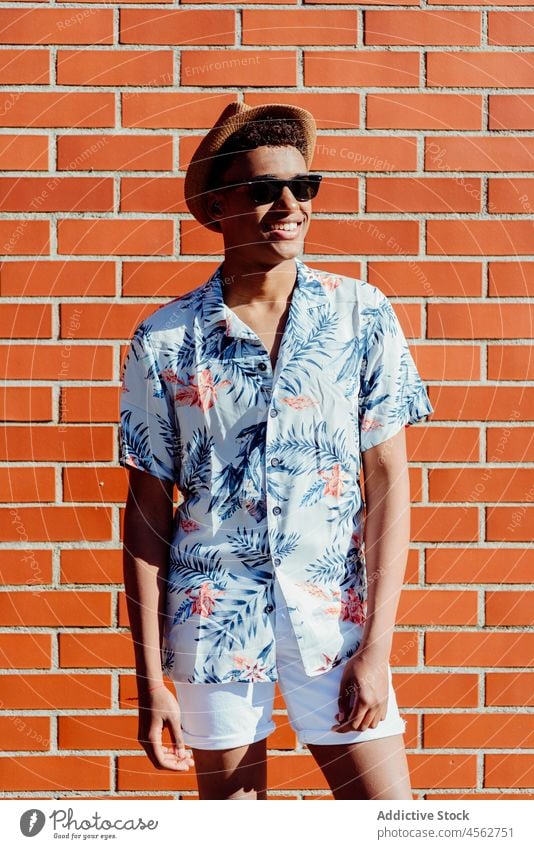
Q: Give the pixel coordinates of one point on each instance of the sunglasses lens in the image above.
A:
(268, 191)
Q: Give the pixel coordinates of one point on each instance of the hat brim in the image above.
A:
(196, 181)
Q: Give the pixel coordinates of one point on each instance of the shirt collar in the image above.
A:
(215, 311)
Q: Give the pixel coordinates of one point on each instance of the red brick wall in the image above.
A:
(424, 117)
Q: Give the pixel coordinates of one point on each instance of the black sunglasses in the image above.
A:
(269, 189)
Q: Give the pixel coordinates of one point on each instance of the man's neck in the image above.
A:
(268, 288)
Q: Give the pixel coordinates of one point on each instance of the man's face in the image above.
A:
(263, 234)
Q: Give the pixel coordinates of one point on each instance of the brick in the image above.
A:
(424, 111)
(405, 648)
(491, 69)
(432, 607)
(28, 404)
(455, 362)
(102, 321)
(511, 28)
(152, 194)
(510, 688)
(54, 278)
(24, 236)
(89, 404)
(61, 194)
(55, 609)
(478, 153)
(478, 731)
(24, 66)
(507, 445)
(423, 277)
(238, 67)
(58, 109)
(369, 236)
(510, 362)
(511, 194)
(442, 770)
(338, 194)
(23, 651)
(24, 152)
(509, 608)
(443, 444)
(434, 689)
(56, 362)
(25, 733)
(164, 279)
(47, 443)
(135, 772)
(511, 278)
(511, 524)
(176, 26)
(91, 566)
(25, 321)
(98, 732)
(55, 691)
(361, 68)
(478, 321)
(509, 112)
(243, 2)
(306, 26)
(114, 153)
(93, 651)
(21, 566)
(508, 770)
(48, 524)
(115, 67)
(330, 110)
(487, 483)
(100, 236)
(479, 403)
(480, 648)
(345, 153)
(94, 484)
(476, 238)
(169, 110)
(420, 194)
(420, 27)
(56, 26)
(484, 566)
(25, 483)
(48, 773)
(287, 772)
(444, 523)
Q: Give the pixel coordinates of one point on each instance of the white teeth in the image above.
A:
(291, 225)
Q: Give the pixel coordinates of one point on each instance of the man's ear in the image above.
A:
(214, 206)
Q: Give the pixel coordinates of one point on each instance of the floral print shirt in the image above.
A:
(268, 465)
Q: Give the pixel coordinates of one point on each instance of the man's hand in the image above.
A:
(363, 692)
(156, 710)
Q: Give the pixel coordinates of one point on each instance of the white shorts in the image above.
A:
(225, 716)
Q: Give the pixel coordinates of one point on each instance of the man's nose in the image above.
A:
(287, 198)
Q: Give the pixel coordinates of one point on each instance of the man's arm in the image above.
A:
(387, 536)
(387, 532)
(147, 535)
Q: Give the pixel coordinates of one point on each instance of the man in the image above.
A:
(259, 394)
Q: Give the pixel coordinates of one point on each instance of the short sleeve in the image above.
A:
(148, 438)
(392, 394)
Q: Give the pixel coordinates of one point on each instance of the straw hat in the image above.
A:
(235, 116)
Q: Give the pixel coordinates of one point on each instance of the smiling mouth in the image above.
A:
(284, 229)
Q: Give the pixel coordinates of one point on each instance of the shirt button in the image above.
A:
(262, 366)
(277, 561)
(273, 414)
(277, 511)
(268, 608)
(275, 461)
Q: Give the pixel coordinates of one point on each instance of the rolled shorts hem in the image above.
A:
(232, 741)
(334, 738)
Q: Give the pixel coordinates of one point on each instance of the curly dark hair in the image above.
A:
(273, 132)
